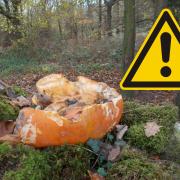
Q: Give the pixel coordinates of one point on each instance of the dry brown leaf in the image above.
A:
(114, 153)
(121, 131)
(151, 129)
(21, 101)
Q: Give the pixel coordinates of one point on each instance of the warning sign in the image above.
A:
(157, 64)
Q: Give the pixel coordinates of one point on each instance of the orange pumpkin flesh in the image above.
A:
(95, 110)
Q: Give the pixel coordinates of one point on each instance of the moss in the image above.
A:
(33, 165)
(7, 110)
(65, 162)
(136, 165)
(155, 144)
(165, 115)
(136, 115)
(4, 149)
(19, 91)
(9, 158)
(173, 148)
(69, 162)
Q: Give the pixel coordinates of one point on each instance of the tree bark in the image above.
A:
(129, 33)
(129, 38)
(109, 18)
(109, 4)
(100, 19)
(89, 13)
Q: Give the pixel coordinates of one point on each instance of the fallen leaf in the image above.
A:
(95, 176)
(121, 131)
(105, 148)
(120, 143)
(151, 129)
(114, 153)
(21, 101)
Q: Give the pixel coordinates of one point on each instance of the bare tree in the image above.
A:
(129, 37)
(109, 4)
(100, 19)
(129, 33)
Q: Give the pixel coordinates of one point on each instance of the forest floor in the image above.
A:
(101, 63)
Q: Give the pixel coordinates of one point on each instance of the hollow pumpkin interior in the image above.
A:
(69, 98)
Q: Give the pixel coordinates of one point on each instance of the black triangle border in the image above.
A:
(151, 84)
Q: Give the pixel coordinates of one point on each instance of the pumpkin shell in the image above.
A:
(42, 128)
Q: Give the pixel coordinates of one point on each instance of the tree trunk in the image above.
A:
(129, 33)
(117, 12)
(129, 38)
(100, 19)
(89, 12)
(109, 18)
(60, 28)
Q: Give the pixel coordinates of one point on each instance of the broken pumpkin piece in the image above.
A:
(56, 86)
(79, 111)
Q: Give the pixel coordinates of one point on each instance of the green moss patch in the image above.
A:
(136, 115)
(7, 110)
(64, 162)
(135, 165)
(19, 91)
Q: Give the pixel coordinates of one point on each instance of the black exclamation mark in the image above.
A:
(165, 47)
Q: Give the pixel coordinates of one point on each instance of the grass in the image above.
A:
(89, 68)
(18, 65)
(23, 59)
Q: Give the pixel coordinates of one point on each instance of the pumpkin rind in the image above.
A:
(42, 128)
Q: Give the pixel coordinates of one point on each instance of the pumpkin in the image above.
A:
(77, 111)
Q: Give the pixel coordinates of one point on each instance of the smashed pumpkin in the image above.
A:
(68, 112)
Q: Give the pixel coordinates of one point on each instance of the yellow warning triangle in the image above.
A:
(157, 63)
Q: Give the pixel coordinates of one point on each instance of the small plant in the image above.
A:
(19, 91)
(7, 110)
